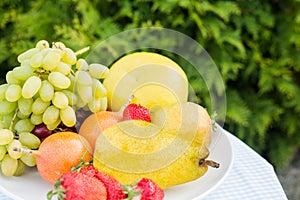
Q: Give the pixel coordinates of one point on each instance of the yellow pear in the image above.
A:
(169, 153)
(152, 78)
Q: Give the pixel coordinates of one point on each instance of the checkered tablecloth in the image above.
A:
(251, 177)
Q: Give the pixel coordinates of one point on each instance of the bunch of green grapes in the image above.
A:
(46, 89)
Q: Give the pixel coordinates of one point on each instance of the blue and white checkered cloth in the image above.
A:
(251, 177)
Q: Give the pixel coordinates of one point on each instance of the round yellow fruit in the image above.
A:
(153, 79)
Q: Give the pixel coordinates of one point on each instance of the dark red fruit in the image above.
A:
(41, 131)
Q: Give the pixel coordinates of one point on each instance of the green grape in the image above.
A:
(25, 105)
(53, 126)
(3, 151)
(69, 56)
(51, 60)
(39, 106)
(85, 93)
(20, 169)
(46, 91)
(36, 60)
(42, 44)
(72, 98)
(9, 165)
(98, 71)
(103, 103)
(3, 89)
(59, 80)
(99, 90)
(60, 100)
(11, 79)
(27, 54)
(72, 84)
(10, 149)
(36, 119)
(81, 64)
(68, 116)
(29, 140)
(27, 158)
(23, 72)
(24, 125)
(95, 105)
(13, 93)
(83, 78)
(7, 107)
(63, 68)
(50, 115)
(80, 103)
(31, 87)
(7, 120)
(20, 115)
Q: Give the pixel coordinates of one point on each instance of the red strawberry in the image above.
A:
(145, 189)
(113, 187)
(136, 112)
(74, 185)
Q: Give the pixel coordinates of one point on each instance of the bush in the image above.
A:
(254, 43)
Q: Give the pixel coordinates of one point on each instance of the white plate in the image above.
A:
(31, 186)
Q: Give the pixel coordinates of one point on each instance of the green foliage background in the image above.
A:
(254, 43)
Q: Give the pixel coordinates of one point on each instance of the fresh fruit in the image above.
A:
(145, 189)
(58, 153)
(41, 131)
(136, 112)
(152, 78)
(169, 155)
(74, 185)
(113, 187)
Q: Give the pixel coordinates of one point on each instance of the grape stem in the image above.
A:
(13, 119)
(81, 51)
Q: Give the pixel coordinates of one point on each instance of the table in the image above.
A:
(251, 177)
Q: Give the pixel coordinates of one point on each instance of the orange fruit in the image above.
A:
(58, 153)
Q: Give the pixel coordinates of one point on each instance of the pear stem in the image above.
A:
(210, 163)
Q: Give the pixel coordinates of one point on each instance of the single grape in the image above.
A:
(60, 100)
(3, 89)
(68, 116)
(72, 84)
(39, 106)
(59, 80)
(51, 60)
(51, 115)
(81, 64)
(83, 78)
(28, 158)
(99, 90)
(20, 169)
(10, 149)
(25, 105)
(98, 71)
(85, 93)
(37, 60)
(13, 93)
(7, 107)
(29, 140)
(9, 165)
(31, 87)
(54, 125)
(69, 56)
(63, 68)
(95, 105)
(72, 98)
(36, 119)
(22, 72)
(27, 54)
(24, 125)
(6, 136)
(46, 91)
(42, 44)
(41, 131)
(11, 79)
(7, 120)
(20, 115)
(3, 151)
(103, 103)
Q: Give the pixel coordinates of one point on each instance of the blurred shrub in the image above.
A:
(254, 43)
